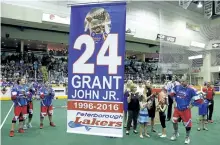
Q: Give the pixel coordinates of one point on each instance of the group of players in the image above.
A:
(22, 95)
(184, 97)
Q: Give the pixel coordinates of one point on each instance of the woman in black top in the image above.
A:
(151, 97)
(133, 109)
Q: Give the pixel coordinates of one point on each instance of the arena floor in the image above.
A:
(58, 135)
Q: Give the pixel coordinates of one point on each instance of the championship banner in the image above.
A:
(96, 69)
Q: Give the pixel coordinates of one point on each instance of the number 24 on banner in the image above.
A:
(112, 60)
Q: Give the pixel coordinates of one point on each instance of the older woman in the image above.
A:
(133, 109)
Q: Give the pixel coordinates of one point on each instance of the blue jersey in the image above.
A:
(203, 109)
(183, 96)
(20, 92)
(202, 106)
(4, 84)
(48, 96)
(169, 86)
(31, 92)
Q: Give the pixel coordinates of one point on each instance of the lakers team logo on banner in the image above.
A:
(96, 69)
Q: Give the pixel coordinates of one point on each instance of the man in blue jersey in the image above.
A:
(183, 96)
(47, 95)
(18, 96)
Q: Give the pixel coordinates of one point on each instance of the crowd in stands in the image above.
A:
(138, 70)
(16, 65)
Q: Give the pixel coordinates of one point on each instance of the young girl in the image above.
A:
(202, 103)
(151, 96)
(162, 108)
(203, 111)
(143, 116)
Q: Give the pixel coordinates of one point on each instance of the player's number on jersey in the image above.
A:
(112, 60)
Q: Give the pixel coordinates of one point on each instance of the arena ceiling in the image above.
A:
(192, 7)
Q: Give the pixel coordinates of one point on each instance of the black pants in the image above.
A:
(170, 106)
(132, 116)
(162, 119)
(210, 110)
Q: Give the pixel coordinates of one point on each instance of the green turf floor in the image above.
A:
(58, 135)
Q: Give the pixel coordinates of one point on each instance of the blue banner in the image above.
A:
(96, 69)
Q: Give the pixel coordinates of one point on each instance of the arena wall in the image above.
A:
(60, 92)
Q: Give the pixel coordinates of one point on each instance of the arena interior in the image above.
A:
(164, 40)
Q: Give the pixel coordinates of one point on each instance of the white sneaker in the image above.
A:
(141, 136)
(25, 127)
(147, 135)
(174, 137)
(178, 134)
(163, 136)
(159, 134)
(187, 140)
(29, 125)
(205, 128)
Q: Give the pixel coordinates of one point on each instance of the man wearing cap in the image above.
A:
(183, 96)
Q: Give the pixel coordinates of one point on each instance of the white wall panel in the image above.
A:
(147, 18)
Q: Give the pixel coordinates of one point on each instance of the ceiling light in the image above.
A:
(195, 57)
(199, 5)
(4, 45)
(16, 46)
(28, 40)
(197, 44)
(15, 39)
(16, 43)
(28, 44)
(2, 42)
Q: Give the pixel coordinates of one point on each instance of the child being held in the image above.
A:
(143, 116)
